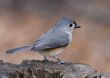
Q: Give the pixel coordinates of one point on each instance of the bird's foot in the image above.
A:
(45, 59)
(60, 61)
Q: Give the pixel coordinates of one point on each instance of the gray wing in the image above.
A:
(51, 41)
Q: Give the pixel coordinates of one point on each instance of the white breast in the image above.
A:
(70, 36)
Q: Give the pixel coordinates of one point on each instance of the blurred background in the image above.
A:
(23, 21)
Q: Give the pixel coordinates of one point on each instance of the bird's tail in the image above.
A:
(23, 48)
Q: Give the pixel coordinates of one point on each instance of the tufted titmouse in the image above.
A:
(54, 41)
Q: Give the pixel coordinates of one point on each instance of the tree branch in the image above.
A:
(49, 69)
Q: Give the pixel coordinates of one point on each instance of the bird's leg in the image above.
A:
(59, 61)
(45, 59)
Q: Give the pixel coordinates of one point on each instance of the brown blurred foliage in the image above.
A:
(23, 21)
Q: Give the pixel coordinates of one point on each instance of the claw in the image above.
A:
(45, 59)
(60, 61)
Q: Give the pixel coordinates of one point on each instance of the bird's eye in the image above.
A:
(70, 25)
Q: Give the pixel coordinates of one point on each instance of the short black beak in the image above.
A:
(77, 26)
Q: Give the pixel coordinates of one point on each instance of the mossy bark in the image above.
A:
(49, 69)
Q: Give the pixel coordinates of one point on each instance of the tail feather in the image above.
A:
(23, 48)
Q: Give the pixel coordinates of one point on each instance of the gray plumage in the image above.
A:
(54, 41)
(57, 37)
(23, 48)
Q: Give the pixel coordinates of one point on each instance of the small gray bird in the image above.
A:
(54, 41)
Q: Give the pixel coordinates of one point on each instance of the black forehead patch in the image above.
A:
(74, 23)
